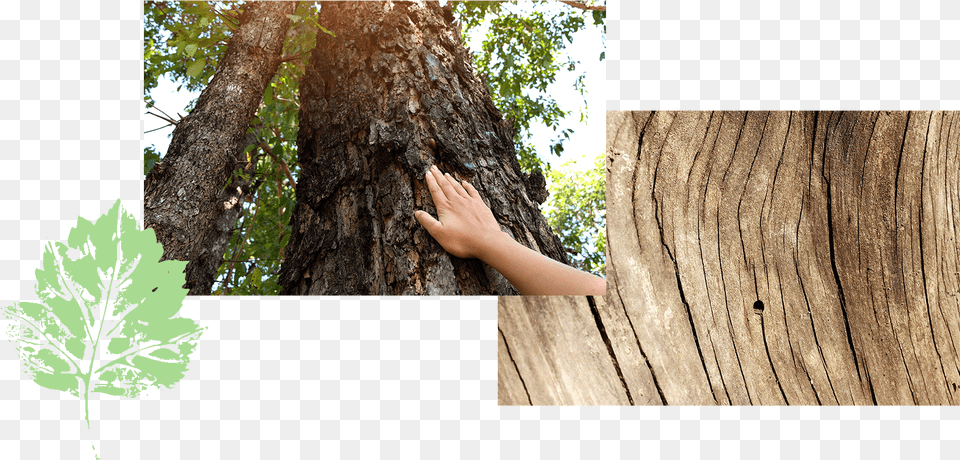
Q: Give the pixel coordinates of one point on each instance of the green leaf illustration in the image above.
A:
(106, 318)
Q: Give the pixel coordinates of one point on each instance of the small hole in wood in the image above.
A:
(758, 305)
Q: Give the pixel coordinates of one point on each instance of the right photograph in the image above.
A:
(759, 258)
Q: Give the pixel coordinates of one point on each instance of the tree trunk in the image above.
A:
(768, 258)
(392, 94)
(187, 199)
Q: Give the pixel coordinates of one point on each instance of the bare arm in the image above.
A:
(466, 228)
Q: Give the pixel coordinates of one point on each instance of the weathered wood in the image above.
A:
(636, 373)
(566, 360)
(777, 258)
(510, 387)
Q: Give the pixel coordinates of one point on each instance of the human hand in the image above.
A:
(466, 227)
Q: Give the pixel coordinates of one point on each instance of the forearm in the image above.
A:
(532, 273)
(466, 228)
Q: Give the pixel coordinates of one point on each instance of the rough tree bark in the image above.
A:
(763, 258)
(187, 200)
(392, 94)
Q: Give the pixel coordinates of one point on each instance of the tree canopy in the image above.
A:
(184, 41)
(520, 58)
(576, 211)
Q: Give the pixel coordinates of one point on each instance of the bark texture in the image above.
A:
(768, 258)
(187, 199)
(393, 93)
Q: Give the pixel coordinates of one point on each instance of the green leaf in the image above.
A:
(249, 148)
(196, 67)
(599, 16)
(508, 60)
(105, 287)
(268, 95)
(150, 158)
(254, 279)
(190, 49)
(324, 29)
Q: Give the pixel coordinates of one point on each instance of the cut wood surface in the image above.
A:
(760, 258)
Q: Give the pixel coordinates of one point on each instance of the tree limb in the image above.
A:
(243, 241)
(232, 22)
(584, 6)
(167, 119)
(295, 56)
(283, 164)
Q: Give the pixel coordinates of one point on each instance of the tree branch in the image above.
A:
(167, 119)
(237, 249)
(283, 164)
(295, 56)
(232, 22)
(584, 6)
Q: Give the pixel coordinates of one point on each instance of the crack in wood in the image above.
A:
(836, 272)
(854, 271)
(653, 375)
(923, 269)
(766, 348)
(676, 269)
(816, 340)
(606, 341)
(515, 367)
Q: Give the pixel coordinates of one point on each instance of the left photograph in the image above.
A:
(362, 148)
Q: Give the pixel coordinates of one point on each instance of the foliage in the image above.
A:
(173, 34)
(577, 211)
(520, 58)
(151, 156)
(105, 321)
(184, 41)
(252, 262)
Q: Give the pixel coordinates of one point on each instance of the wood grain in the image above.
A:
(767, 258)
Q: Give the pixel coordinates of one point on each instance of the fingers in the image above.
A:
(451, 184)
(457, 186)
(471, 190)
(427, 221)
(433, 184)
(446, 183)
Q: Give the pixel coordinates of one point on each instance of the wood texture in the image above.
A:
(187, 199)
(569, 363)
(770, 258)
(392, 94)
